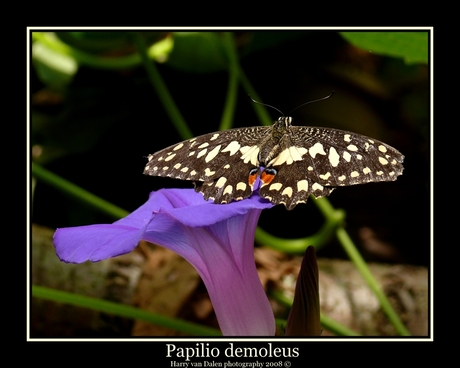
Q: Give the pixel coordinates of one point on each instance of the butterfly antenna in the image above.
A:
(309, 102)
(261, 103)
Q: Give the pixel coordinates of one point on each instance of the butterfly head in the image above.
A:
(284, 122)
(280, 127)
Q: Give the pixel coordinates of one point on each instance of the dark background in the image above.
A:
(97, 131)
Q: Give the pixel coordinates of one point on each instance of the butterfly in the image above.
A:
(290, 161)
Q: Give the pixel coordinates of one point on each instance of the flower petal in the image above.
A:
(216, 239)
(95, 242)
(223, 255)
(184, 204)
(98, 242)
(219, 243)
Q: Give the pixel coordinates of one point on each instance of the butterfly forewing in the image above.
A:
(337, 157)
(219, 163)
(293, 162)
(316, 160)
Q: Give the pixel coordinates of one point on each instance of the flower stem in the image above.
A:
(232, 89)
(361, 265)
(162, 90)
(327, 322)
(260, 110)
(75, 191)
(320, 238)
(122, 310)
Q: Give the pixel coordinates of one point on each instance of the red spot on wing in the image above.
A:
(266, 178)
(252, 178)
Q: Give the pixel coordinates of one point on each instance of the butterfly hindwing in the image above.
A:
(230, 183)
(291, 186)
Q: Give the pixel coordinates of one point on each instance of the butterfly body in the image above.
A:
(291, 162)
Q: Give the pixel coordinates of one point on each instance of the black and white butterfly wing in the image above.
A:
(291, 185)
(316, 160)
(219, 163)
(295, 161)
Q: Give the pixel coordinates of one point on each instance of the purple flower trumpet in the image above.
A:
(218, 240)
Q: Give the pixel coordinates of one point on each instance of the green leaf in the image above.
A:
(50, 47)
(53, 68)
(97, 42)
(411, 46)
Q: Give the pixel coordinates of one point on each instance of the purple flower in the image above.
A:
(216, 239)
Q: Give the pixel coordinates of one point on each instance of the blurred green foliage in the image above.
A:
(411, 46)
(95, 116)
